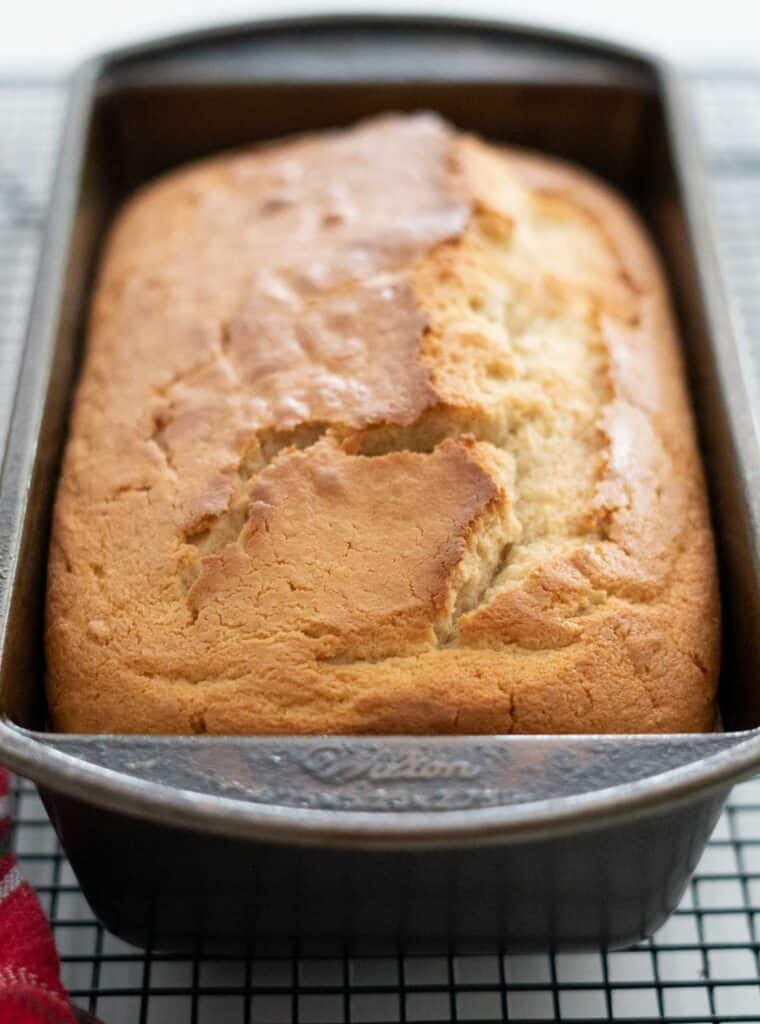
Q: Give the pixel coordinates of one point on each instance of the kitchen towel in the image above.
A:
(30, 982)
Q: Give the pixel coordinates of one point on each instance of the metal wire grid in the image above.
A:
(729, 119)
(702, 966)
(30, 120)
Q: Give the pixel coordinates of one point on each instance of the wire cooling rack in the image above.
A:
(702, 966)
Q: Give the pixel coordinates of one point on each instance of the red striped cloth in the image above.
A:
(30, 983)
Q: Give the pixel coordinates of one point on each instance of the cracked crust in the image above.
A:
(381, 431)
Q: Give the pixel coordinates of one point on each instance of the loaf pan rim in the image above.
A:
(183, 808)
(601, 45)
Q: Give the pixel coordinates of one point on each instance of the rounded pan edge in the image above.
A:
(216, 34)
(182, 808)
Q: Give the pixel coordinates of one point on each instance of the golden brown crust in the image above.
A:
(383, 431)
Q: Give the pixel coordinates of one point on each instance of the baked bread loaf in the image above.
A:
(381, 431)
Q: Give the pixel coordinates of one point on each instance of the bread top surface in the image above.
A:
(382, 430)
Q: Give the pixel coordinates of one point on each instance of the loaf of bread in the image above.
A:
(383, 430)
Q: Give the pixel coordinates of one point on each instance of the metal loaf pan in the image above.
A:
(528, 840)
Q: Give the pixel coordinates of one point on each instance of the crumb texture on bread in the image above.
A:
(381, 431)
